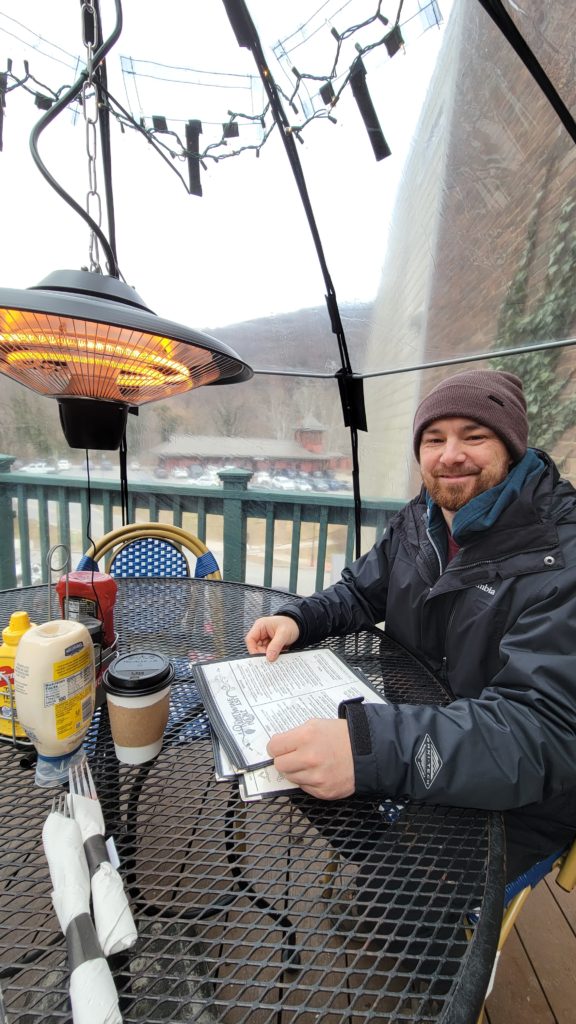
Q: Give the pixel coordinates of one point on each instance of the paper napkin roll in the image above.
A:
(115, 925)
(92, 990)
(114, 922)
(93, 994)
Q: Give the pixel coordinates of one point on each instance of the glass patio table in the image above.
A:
(287, 910)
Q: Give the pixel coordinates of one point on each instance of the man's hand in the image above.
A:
(270, 635)
(317, 756)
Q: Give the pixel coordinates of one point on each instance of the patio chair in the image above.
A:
(150, 549)
(518, 891)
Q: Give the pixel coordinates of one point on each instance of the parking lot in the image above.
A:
(107, 467)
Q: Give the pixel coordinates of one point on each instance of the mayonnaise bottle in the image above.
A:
(55, 687)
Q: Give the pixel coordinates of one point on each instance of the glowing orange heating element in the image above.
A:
(65, 356)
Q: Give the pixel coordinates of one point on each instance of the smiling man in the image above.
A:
(477, 577)
(460, 459)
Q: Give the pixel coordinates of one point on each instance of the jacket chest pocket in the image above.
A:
(472, 640)
(406, 605)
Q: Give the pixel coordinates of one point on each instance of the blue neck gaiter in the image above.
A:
(482, 511)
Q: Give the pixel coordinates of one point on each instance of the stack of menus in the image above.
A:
(249, 700)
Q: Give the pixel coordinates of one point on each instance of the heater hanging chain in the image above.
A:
(90, 104)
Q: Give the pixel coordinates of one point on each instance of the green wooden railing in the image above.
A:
(38, 512)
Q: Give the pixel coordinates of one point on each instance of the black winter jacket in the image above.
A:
(499, 626)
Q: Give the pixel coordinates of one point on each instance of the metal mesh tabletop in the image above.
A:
(288, 910)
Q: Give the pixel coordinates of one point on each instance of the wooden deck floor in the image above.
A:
(536, 977)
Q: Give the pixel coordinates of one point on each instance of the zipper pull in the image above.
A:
(443, 677)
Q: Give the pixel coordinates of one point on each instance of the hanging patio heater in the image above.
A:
(90, 342)
(84, 337)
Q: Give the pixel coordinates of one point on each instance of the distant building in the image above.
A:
(304, 454)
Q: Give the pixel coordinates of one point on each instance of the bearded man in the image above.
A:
(476, 576)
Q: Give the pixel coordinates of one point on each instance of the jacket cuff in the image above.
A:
(290, 612)
(365, 760)
(355, 714)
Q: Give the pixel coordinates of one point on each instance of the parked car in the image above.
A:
(39, 467)
(179, 473)
(207, 480)
(261, 479)
(64, 465)
(283, 483)
(301, 483)
(35, 573)
(160, 472)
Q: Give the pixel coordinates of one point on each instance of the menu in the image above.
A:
(253, 785)
(249, 699)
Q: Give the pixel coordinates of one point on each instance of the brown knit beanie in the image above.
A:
(491, 397)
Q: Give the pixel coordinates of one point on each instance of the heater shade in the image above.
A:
(79, 334)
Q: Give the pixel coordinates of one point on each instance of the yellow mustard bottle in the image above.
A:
(18, 625)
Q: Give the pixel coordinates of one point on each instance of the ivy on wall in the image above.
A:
(550, 316)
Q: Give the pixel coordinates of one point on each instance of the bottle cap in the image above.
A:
(53, 771)
(19, 624)
(87, 576)
(93, 625)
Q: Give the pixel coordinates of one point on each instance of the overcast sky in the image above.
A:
(243, 249)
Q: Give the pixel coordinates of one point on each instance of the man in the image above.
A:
(477, 577)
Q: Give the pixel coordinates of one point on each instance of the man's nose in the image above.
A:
(453, 451)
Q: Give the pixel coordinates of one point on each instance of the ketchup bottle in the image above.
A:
(89, 594)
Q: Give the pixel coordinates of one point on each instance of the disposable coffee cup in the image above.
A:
(137, 689)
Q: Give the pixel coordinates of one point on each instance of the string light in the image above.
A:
(230, 140)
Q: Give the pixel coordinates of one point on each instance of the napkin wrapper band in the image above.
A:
(81, 941)
(96, 852)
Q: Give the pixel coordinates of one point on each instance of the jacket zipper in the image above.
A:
(444, 662)
(436, 550)
(444, 666)
(444, 670)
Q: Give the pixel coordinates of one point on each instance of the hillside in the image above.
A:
(299, 340)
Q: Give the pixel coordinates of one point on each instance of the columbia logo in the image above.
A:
(484, 586)
(428, 761)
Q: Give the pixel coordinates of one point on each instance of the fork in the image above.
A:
(60, 806)
(81, 781)
(112, 915)
(85, 806)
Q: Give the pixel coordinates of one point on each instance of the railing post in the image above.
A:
(7, 546)
(234, 567)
